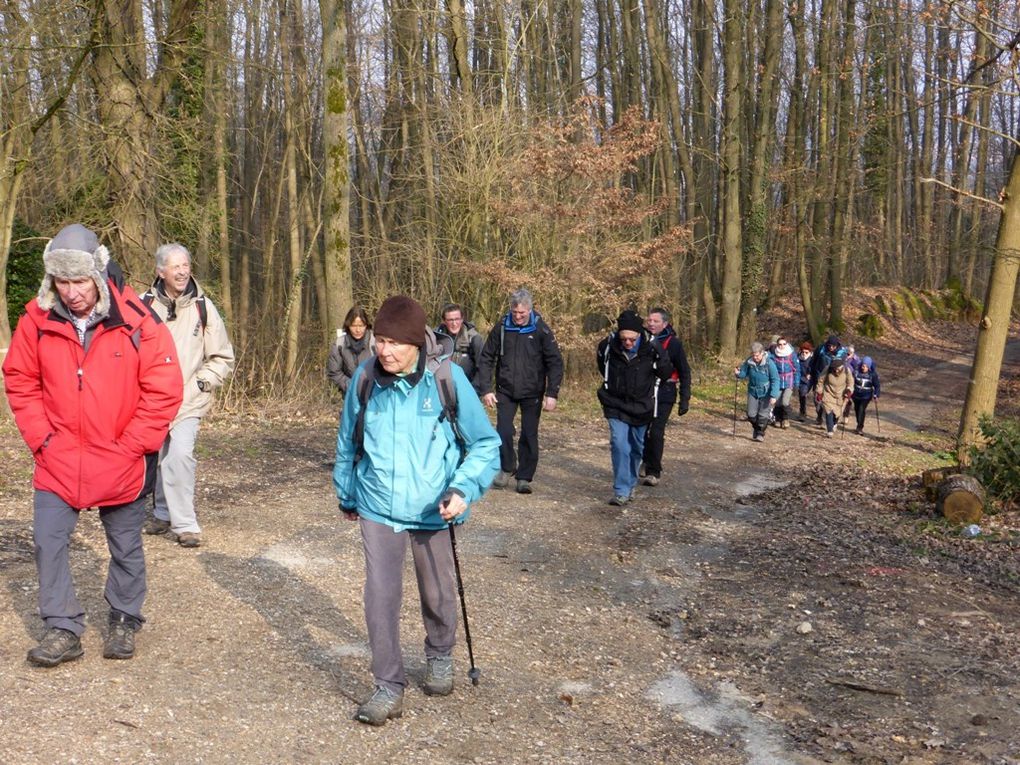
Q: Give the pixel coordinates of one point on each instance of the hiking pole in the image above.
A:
(877, 418)
(736, 387)
(474, 673)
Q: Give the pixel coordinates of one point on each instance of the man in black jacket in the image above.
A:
(522, 352)
(658, 325)
(633, 366)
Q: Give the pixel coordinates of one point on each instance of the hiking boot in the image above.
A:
(829, 434)
(651, 480)
(383, 705)
(502, 479)
(642, 471)
(438, 675)
(523, 487)
(189, 539)
(156, 527)
(859, 431)
(619, 500)
(120, 641)
(758, 437)
(56, 647)
(783, 425)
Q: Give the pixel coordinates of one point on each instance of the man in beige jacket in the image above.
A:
(206, 358)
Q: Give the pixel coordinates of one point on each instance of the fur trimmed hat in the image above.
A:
(74, 253)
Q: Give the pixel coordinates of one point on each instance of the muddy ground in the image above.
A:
(789, 602)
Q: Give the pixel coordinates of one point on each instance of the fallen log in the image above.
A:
(930, 479)
(961, 499)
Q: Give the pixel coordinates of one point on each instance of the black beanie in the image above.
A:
(400, 318)
(629, 320)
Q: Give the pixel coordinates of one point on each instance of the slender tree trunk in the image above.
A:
(732, 243)
(336, 181)
(994, 326)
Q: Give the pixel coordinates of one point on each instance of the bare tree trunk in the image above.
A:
(292, 335)
(128, 104)
(994, 326)
(841, 178)
(336, 182)
(732, 241)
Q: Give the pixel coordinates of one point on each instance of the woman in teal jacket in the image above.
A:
(762, 388)
(405, 482)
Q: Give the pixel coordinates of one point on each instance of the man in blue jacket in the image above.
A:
(405, 480)
(762, 388)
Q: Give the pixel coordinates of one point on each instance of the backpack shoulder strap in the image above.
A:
(443, 373)
(364, 391)
(203, 311)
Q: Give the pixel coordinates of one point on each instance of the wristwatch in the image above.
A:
(203, 386)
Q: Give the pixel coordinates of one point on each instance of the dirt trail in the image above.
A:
(662, 633)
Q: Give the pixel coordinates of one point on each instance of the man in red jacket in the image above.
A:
(93, 380)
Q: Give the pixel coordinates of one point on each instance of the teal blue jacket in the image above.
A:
(410, 458)
(762, 379)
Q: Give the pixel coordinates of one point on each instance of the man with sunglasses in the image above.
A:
(207, 358)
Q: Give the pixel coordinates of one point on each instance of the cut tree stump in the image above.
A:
(930, 480)
(961, 499)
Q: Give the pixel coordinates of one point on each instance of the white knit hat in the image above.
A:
(74, 253)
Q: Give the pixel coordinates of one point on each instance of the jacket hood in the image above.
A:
(866, 361)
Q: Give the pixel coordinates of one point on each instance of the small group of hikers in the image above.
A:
(834, 378)
(108, 389)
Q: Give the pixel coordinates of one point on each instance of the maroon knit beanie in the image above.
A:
(400, 318)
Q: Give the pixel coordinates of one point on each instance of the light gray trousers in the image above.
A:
(385, 551)
(53, 523)
(175, 478)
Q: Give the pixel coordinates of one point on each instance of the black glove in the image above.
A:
(683, 408)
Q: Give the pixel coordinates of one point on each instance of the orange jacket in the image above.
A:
(94, 420)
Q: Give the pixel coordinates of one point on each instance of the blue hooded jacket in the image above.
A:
(410, 456)
(762, 379)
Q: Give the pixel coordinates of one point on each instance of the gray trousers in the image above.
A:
(53, 523)
(385, 551)
(175, 478)
(758, 412)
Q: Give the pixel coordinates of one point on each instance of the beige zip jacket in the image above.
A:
(205, 354)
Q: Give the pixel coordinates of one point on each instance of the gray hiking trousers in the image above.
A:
(385, 551)
(175, 478)
(53, 523)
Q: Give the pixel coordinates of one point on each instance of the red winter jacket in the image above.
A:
(94, 420)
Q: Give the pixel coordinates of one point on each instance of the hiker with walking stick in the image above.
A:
(834, 390)
(866, 389)
(762, 388)
(414, 450)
